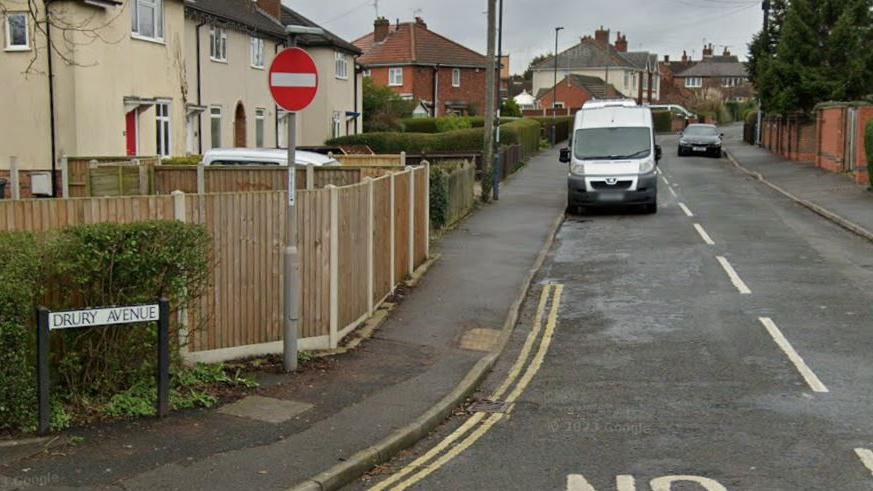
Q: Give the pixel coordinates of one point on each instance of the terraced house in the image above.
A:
(158, 77)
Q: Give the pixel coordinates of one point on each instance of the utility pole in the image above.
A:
(490, 99)
(765, 6)
(498, 173)
(555, 87)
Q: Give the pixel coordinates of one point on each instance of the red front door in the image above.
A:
(130, 132)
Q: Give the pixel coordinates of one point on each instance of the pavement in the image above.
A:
(723, 343)
(442, 329)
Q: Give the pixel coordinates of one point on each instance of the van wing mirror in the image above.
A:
(658, 152)
(565, 156)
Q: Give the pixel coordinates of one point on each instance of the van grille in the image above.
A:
(619, 185)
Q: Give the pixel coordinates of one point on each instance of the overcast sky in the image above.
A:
(658, 26)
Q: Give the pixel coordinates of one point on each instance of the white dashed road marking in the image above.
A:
(686, 210)
(735, 278)
(705, 236)
(866, 457)
(810, 377)
(673, 193)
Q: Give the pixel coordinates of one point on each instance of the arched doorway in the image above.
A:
(239, 126)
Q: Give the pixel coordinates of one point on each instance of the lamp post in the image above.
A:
(498, 171)
(765, 6)
(555, 87)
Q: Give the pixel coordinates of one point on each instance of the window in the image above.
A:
(217, 44)
(456, 77)
(612, 143)
(17, 34)
(558, 105)
(694, 82)
(342, 66)
(162, 118)
(215, 126)
(148, 18)
(395, 77)
(257, 52)
(367, 73)
(259, 128)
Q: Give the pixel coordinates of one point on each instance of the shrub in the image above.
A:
(439, 197)
(510, 109)
(441, 124)
(90, 265)
(663, 121)
(187, 160)
(868, 147)
(451, 124)
(563, 125)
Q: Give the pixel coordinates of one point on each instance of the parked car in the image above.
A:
(700, 139)
(612, 157)
(264, 156)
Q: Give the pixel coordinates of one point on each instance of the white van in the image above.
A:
(264, 156)
(612, 156)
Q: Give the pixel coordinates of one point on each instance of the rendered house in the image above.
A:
(159, 77)
(633, 74)
(421, 65)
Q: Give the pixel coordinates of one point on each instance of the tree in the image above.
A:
(510, 109)
(762, 48)
(528, 74)
(383, 108)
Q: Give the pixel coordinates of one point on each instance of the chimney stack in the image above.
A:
(621, 43)
(602, 36)
(684, 56)
(727, 52)
(707, 51)
(666, 58)
(420, 22)
(380, 29)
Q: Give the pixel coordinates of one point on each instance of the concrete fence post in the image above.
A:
(65, 177)
(412, 208)
(391, 214)
(143, 178)
(370, 252)
(334, 266)
(426, 223)
(201, 178)
(14, 178)
(180, 213)
(310, 177)
(403, 159)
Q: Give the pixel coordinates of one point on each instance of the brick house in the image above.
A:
(574, 91)
(419, 64)
(723, 75)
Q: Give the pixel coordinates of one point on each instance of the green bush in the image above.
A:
(439, 197)
(90, 265)
(187, 160)
(868, 147)
(451, 124)
(563, 125)
(441, 124)
(663, 121)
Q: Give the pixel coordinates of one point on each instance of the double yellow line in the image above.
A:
(474, 428)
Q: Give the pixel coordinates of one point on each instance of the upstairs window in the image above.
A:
(342, 66)
(693, 82)
(17, 33)
(456, 77)
(217, 44)
(257, 52)
(395, 77)
(148, 18)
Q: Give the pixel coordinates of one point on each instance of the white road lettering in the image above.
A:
(665, 483)
(577, 482)
(808, 375)
(705, 236)
(735, 278)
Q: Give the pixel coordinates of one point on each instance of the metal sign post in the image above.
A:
(293, 81)
(47, 321)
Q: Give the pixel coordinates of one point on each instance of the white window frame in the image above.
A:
(395, 77)
(456, 77)
(217, 44)
(260, 127)
(558, 105)
(158, 6)
(336, 124)
(257, 45)
(342, 65)
(693, 82)
(366, 73)
(17, 47)
(163, 129)
(215, 112)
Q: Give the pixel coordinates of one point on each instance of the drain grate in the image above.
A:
(488, 406)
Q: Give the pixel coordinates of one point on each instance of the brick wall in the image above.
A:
(865, 114)
(419, 82)
(831, 139)
(572, 96)
(24, 182)
(793, 137)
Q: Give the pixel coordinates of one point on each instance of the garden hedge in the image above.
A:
(90, 265)
(563, 126)
(663, 121)
(441, 124)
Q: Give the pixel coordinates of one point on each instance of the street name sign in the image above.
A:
(103, 317)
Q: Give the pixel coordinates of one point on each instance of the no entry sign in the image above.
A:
(293, 79)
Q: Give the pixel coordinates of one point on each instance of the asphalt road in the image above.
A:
(649, 357)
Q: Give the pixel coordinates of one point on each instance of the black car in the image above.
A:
(700, 139)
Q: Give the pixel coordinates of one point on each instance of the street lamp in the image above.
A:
(555, 87)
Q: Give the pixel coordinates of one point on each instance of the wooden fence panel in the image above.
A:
(382, 283)
(391, 160)
(169, 178)
(461, 184)
(353, 226)
(401, 226)
(336, 176)
(313, 242)
(422, 227)
(44, 215)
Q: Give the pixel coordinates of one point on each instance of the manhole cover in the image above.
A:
(487, 406)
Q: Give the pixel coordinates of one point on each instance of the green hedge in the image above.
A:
(524, 131)
(187, 160)
(441, 124)
(868, 146)
(563, 126)
(92, 265)
(663, 121)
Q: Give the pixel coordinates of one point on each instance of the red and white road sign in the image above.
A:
(293, 79)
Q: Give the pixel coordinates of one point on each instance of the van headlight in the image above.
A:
(577, 169)
(647, 166)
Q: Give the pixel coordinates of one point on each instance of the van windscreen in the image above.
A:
(612, 143)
